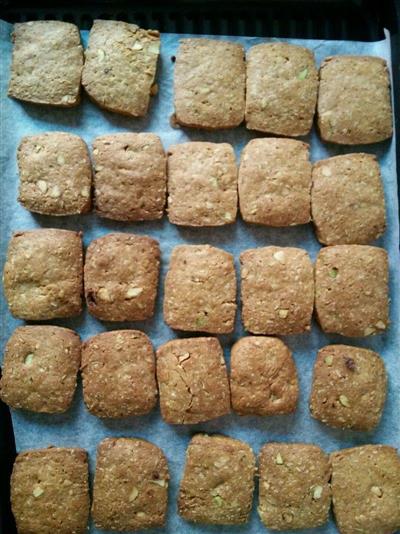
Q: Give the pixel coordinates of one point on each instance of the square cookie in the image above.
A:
(192, 380)
(349, 387)
(120, 66)
(351, 290)
(354, 105)
(130, 179)
(40, 367)
(47, 63)
(202, 184)
(277, 290)
(218, 481)
(209, 84)
(281, 89)
(55, 174)
(118, 374)
(275, 182)
(43, 274)
(50, 491)
(294, 490)
(130, 485)
(347, 200)
(263, 377)
(200, 290)
(370, 476)
(121, 277)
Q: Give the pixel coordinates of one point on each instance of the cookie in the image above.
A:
(130, 178)
(281, 89)
(202, 184)
(120, 66)
(294, 490)
(55, 174)
(349, 387)
(263, 377)
(192, 380)
(200, 290)
(50, 491)
(218, 481)
(347, 200)
(275, 182)
(277, 290)
(354, 105)
(40, 367)
(366, 489)
(351, 290)
(118, 374)
(130, 485)
(43, 274)
(121, 277)
(209, 84)
(47, 63)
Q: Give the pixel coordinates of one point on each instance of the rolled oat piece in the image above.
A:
(294, 489)
(120, 66)
(366, 489)
(43, 274)
(218, 481)
(193, 380)
(130, 490)
(47, 63)
(50, 491)
(348, 388)
(354, 104)
(351, 290)
(281, 89)
(209, 84)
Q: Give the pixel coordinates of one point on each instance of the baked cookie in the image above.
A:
(351, 290)
(277, 290)
(121, 277)
(263, 377)
(294, 490)
(50, 491)
(349, 387)
(366, 489)
(281, 89)
(200, 290)
(202, 184)
(354, 105)
(120, 66)
(130, 178)
(118, 374)
(40, 367)
(209, 84)
(43, 274)
(347, 200)
(47, 63)
(55, 174)
(275, 182)
(193, 380)
(218, 482)
(130, 489)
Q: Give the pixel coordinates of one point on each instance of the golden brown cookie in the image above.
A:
(193, 380)
(43, 274)
(218, 481)
(130, 485)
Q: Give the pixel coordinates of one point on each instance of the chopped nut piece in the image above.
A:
(160, 482)
(381, 325)
(101, 54)
(377, 491)
(42, 185)
(329, 360)
(303, 74)
(317, 492)
(283, 313)
(133, 494)
(279, 459)
(134, 292)
(279, 256)
(37, 491)
(287, 516)
(333, 272)
(28, 360)
(60, 159)
(344, 401)
(219, 501)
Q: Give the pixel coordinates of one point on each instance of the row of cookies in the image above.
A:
(275, 89)
(44, 277)
(122, 377)
(276, 185)
(297, 484)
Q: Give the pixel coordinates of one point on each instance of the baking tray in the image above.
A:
(313, 19)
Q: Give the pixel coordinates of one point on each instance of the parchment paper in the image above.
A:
(77, 427)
